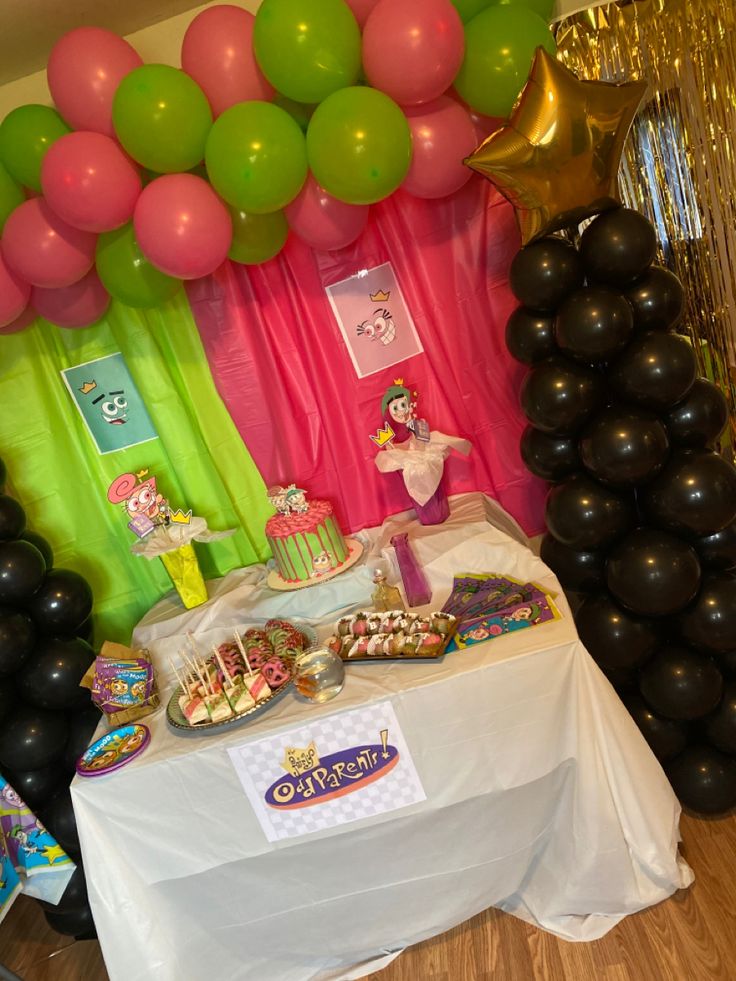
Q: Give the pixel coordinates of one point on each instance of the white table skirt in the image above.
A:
(543, 799)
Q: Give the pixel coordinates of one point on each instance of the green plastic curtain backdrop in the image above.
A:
(199, 459)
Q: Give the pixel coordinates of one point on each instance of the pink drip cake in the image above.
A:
(306, 544)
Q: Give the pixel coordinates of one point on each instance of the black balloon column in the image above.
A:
(46, 719)
(641, 516)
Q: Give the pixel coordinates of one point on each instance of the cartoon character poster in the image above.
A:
(110, 404)
(374, 319)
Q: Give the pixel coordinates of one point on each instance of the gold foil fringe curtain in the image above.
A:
(679, 167)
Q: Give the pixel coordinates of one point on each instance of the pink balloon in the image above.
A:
(413, 50)
(84, 70)
(361, 9)
(43, 249)
(322, 221)
(442, 135)
(89, 182)
(20, 323)
(14, 294)
(78, 305)
(182, 227)
(484, 125)
(217, 52)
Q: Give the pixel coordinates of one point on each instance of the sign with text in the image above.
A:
(342, 768)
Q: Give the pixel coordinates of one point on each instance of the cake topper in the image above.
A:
(288, 500)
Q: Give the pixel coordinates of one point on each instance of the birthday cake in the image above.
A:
(305, 538)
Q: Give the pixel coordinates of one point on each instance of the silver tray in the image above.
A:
(176, 720)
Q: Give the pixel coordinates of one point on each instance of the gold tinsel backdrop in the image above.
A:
(679, 167)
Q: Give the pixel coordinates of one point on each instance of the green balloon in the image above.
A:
(499, 48)
(11, 195)
(542, 7)
(162, 118)
(469, 8)
(26, 133)
(359, 145)
(256, 157)
(257, 238)
(127, 275)
(307, 49)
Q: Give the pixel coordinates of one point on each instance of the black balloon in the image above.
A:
(543, 273)
(8, 699)
(82, 727)
(720, 727)
(624, 446)
(86, 630)
(680, 684)
(718, 551)
(575, 569)
(36, 787)
(21, 571)
(51, 675)
(656, 370)
(3, 475)
(623, 679)
(58, 817)
(17, 636)
(710, 622)
(653, 573)
(704, 779)
(666, 737)
(586, 515)
(613, 637)
(657, 299)
(530, 335)
(694, 495)
(78, 923)
(41, 544)
(618, 247)
(547, 456)
(32, 738)
(558, 395)
(726, 661)
(12, 518)
(700, 418)
(63, 602)
(593, 324)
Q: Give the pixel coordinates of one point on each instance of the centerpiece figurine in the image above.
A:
(306, 540)
(407, 444)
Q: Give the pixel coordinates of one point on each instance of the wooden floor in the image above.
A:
(690, 937)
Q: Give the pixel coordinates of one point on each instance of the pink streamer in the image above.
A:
(282, 368)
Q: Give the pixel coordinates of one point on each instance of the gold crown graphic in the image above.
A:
(140, 474)
(88, 387)
(297, 761)
(381, 296)
(383, 435)
(179, 517)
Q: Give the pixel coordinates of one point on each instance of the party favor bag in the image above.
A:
(122, 683)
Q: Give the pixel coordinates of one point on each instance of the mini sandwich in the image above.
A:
(257, 686)
(218, 707)
(239, 698)
(194, 711)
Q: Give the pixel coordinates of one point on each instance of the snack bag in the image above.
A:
(122, 683)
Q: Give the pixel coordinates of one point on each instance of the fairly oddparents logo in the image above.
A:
(312, 780)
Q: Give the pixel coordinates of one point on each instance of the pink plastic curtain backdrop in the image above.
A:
(281, 366)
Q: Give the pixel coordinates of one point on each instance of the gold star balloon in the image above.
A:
(556, 161)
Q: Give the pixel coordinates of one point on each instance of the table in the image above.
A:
(543, 799)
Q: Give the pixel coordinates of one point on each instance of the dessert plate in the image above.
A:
(113, 750)
(355, 550)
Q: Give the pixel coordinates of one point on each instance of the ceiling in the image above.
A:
(29, 28)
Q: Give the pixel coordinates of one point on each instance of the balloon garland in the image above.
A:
(46, 719)
(150, 175)
(641, 514)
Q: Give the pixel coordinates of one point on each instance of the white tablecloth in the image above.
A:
(542, 797)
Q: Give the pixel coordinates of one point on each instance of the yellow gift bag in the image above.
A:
(183, 568)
